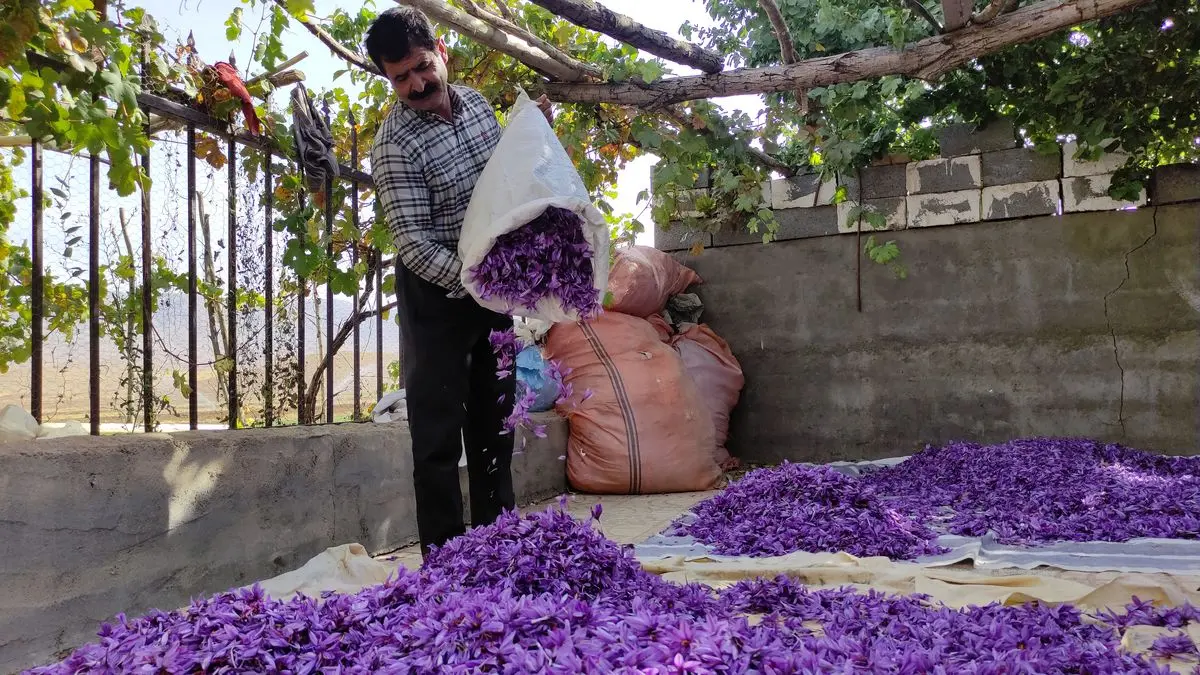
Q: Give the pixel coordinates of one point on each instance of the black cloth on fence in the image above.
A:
(314, 142)
(455, 401)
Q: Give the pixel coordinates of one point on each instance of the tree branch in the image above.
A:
(278, 69)
(491, 36)
(597, 17)
(504, 10)
(927, 59)
(994, 8)
(553, 52)
(787, 50)
(679, 117)
(339, 50)
(957, 13)
(919, 8)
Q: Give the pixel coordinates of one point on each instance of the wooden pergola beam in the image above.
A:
(927, 59)
(492, 36)
(594, 16)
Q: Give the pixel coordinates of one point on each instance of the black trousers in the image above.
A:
(454, 399)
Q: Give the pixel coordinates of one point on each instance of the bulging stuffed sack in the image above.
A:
(717, 374)
(529, 171)
(643, 279)
(645, 428)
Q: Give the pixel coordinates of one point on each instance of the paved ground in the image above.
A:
(627, 519)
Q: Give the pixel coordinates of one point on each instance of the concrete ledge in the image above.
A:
(679, 239)
(90, 527)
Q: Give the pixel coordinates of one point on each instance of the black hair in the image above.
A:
(396, 32)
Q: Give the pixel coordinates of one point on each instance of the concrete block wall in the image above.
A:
(983, 175)
(1034, 305)
(90, 527)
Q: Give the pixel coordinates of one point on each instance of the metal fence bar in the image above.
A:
(193, 396)
(378, 323)
(301, 292)
(94, 293)
(329, 291)
(37, 280)
(269, 314)
(329, 301)
(231, 291)
(354, 263)
(147, 302)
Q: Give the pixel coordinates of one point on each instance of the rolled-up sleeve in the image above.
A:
(403, 194)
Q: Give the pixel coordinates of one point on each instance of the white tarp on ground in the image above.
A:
(340, 569)
(1148, 555)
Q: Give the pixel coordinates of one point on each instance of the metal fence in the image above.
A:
(192, 121)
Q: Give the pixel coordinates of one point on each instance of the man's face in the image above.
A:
(420, 79)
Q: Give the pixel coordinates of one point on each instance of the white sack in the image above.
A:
(17, 425)
(528, 172)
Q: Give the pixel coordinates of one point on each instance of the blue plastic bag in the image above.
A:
(533, 373)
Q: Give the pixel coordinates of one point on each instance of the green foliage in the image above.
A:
(72, 79)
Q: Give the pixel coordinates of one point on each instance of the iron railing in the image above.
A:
(192, 121)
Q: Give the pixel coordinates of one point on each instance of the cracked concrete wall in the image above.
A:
(1025, 327)
(90, 527)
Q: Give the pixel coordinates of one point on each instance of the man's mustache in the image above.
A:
(425, 93)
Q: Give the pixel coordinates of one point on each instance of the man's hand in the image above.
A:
(543, 104)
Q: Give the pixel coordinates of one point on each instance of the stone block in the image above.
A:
(803, 223)
(805, 191)
(795, 223)
(852, 184)
(967, 139)
(1176, 183)
(1020, 200)
(1090, 193)
(1020, 165)
(893, 209)
(943, 175)
(679, 238)
(1105, 164)
(946, 208)
(736, 237)
(884, 181)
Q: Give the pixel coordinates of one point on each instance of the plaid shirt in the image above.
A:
(425, 169)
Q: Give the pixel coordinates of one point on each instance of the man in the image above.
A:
(427, 156)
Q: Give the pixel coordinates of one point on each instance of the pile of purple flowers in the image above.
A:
(1029, 492)
(1040, 490)
(546, 594)
(792, 507)
(546, 257)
